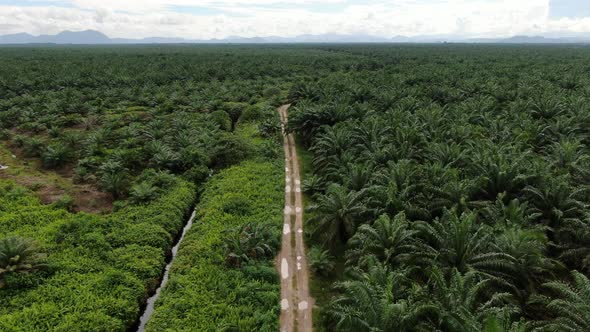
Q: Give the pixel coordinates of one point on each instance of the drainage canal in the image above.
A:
(149, 309)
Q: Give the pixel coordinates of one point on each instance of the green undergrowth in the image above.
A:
(305, 158)
(99, 268)
(204, 293)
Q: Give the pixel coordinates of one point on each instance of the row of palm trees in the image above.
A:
(455, 198)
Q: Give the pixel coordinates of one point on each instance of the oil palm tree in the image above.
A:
(313, 184)
(321, 261)
(143, 192)
(458, 241)
(463, 299)
(449, 155)
(163, 156)
(56, 155)
(557, 202)
(514, 213)
(358, 176)
(329, 146)
(398, 189)
(369, 302)
(571, 306)
(570, 156)
(371, 139)
(568, 153)
(392, 242)
(546, 107)
(308, 119)
(499, 170)
(574, 245)
(250, 242)
(19, 255)
(528, 265)
(113, 177)
(337, 214)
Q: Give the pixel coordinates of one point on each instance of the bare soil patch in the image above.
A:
(51, 186)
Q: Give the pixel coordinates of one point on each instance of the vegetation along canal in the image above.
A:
(151, 302)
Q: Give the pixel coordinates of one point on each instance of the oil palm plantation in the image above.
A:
(489, 169)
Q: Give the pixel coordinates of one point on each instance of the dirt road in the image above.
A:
(296, 303)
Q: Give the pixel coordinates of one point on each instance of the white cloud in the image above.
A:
(221, 18)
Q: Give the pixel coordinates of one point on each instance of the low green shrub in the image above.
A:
(65, 202)
(99, 268)
(204, 292)
(231, 150)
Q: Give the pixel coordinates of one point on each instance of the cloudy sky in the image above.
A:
(221, 18)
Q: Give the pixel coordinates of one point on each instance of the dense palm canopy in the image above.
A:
(462, 172)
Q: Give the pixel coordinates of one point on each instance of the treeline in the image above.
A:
(450, 189)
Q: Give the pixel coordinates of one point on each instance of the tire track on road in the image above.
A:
(296, 303)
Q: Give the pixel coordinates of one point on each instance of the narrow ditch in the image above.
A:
(149, 308)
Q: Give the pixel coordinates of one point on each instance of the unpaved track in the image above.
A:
(296, 303)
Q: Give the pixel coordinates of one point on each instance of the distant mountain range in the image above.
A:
(92, 37)
(534, 40)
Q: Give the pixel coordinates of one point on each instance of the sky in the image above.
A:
(206, 19)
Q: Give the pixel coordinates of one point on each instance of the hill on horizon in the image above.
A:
(93, 37)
